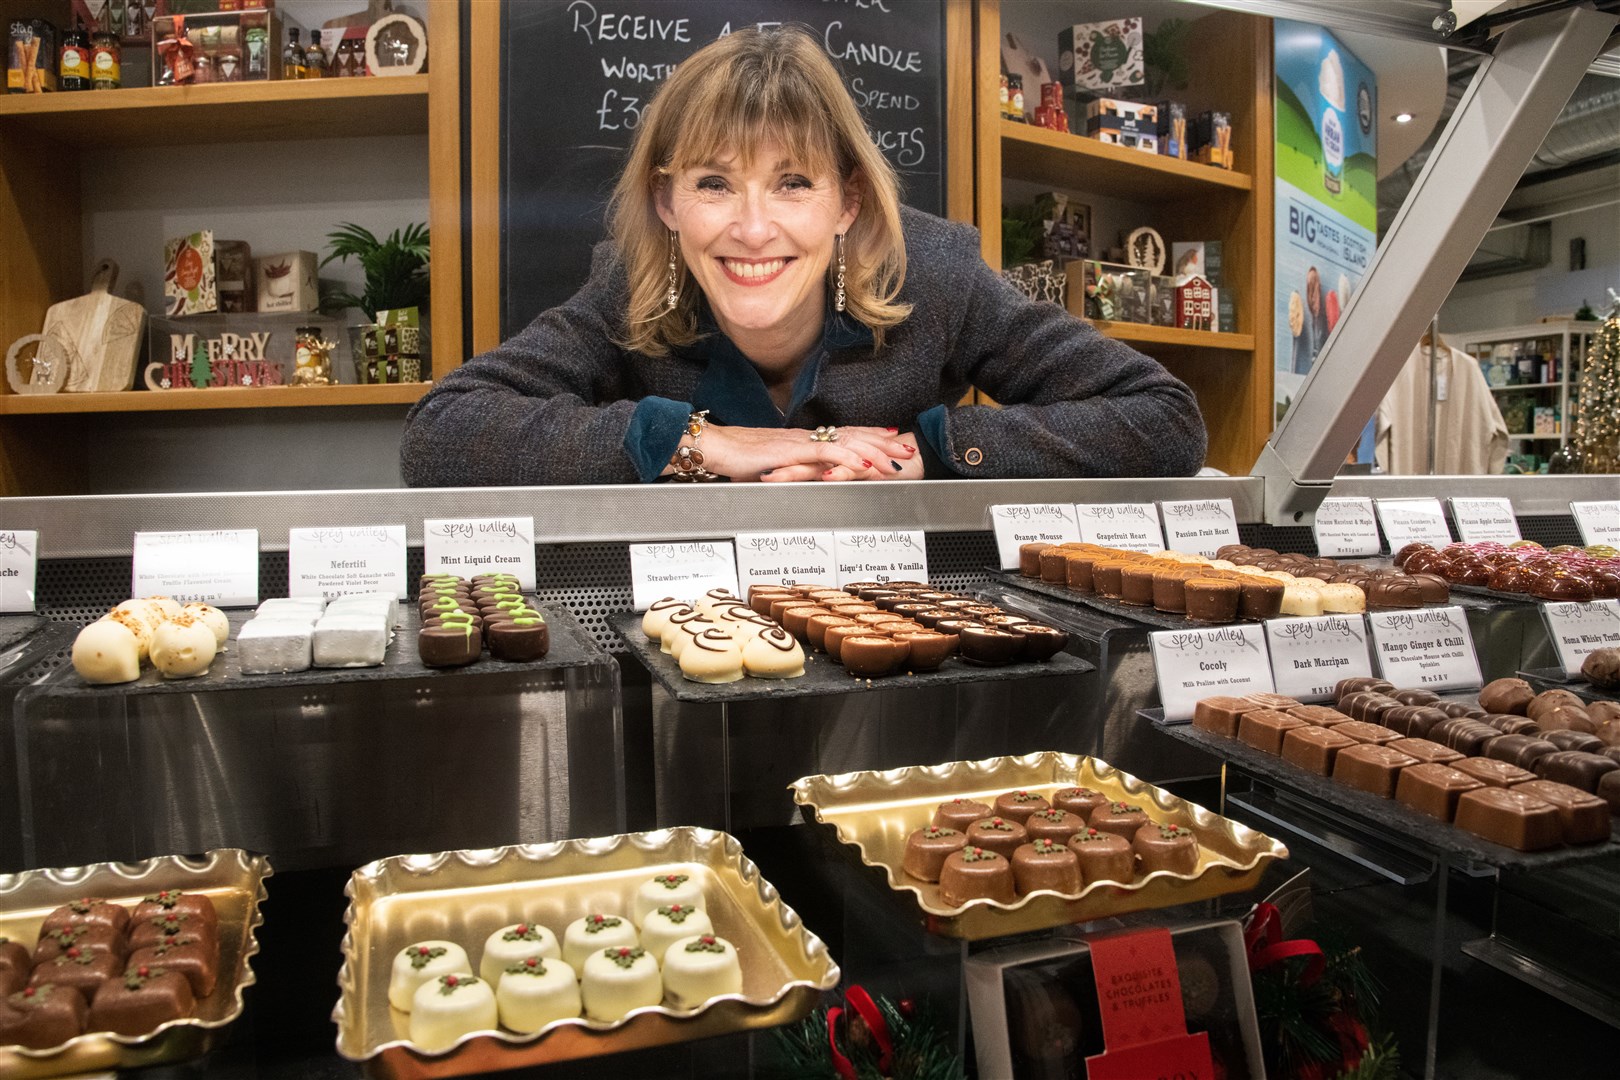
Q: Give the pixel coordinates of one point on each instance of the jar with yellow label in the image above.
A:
(106, 72)
(73, 68)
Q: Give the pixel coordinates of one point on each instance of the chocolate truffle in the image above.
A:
(1053, 824)
(1029, 558)
(519, 639)
(1370, 767)
(192, 956)
(871, 655)
(1601, 668)
(1574, 740)
(89, 938)
(926, 850)
(975, 873)
(1492, 771)
(449, 646)
(1433, 789)
(151, 931)
(1469, 737)
(82, 971)
(1078, 800)
(997, 834)
(1506, 696)
(87, 910)
(1221, 713)
(1416, 697)
(1136, 584)
(1267, 700)
(1319, 715)
(1414, 720)
(1103, 856)
(1426, 752)
(1077, 570)
(1510, 817)
(1583, 817)
(1345, 687)
(42, 1017)
(1509, 724)
(1170, 590)
(14, 964)
(1105, 577)
(1046, 864)
(1041, 642)
(1019, 805)
(1212, 600)
(1548, 700)
(1575, 768)
(1313, 748)
(1166, 847)
(1387, 594)
(1461, 708)
(1567, 718)
(1122, 818)
(958, 814)
(1259, 597)
(986, 646)
(1264, 729)
(137, 1003)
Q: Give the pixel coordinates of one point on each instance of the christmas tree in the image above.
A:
(1597, 424)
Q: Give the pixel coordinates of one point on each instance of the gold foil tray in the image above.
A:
(877, 811)
(231, 878)
(464, 896)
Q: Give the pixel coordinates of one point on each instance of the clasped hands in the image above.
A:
(779, 455)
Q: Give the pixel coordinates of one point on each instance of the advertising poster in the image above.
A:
(1327, 197)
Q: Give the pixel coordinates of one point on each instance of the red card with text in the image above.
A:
(1144, 1023)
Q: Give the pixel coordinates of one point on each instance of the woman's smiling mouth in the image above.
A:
(753, 271)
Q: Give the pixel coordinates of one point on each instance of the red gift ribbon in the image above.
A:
(858, 999)
(841, 1064)
(1266, 946)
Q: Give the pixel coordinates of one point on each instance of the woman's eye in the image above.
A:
(711, 183)
(797, 183)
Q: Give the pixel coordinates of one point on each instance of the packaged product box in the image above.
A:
(190, 279)
(218, 46)
(233, 266)
(1112, 292)
(287, 282)
(1102, 58)
(1124, 123)
(1173, 129)
(1546, 420)
(1202, 257)
(31, 57)
(1212, 139)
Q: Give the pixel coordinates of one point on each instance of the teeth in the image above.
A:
(755, 269)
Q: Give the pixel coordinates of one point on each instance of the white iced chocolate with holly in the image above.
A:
(534, 992)
(450, 1006)
(670, 887)
(698, 968)
(616, 980)
(668, 924)
(512, 944)
(595, 932)
(422, 963)
(183, 647)
(107, 652)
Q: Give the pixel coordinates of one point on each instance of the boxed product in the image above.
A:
(1546, 420)
(31, 57)
(1212, 139)
(218, 46)
(1202, 257)
(391, 348)
(1173, 129)
(1112, 292)
(1037, 1013)
(286, 282)
(233, 274)
(190, 279)
(1124, 123)
(1163, 301)
(1102, 57)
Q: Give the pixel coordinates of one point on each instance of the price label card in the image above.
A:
(682, 570)
(1479, 520)
(220, 567)
(784, 558)
(1132, 526)
(1579, 630)
(1429, 648)
(1211, 660)
(893, 555)
(1413, 521)
(1199, 526)
(340, 560)
(19, 560)
(1599, 522)
(470, 546)
(1031, 523)
(1310, 655)
(1346, 527)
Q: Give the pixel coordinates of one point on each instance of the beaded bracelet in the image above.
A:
(688, 460)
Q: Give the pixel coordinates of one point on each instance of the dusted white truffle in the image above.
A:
(140, 622)
(183, 647)
(167, 606)
(107, 651)
(211, 617)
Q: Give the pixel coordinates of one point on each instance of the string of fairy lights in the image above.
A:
(1597, 424)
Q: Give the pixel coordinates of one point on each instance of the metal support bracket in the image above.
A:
(1497, 127)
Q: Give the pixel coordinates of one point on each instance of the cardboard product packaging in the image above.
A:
(1102, 58)
(287, 282)
(1036, 1013)
(31, 57)
(1173, 129)
(1201, 257)
(190, 278)
(219, 46)
(1212, 139)
(233, 267)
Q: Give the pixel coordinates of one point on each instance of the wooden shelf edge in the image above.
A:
(270, 397)
(246, 94)
(1170, 335)
(1082, 147)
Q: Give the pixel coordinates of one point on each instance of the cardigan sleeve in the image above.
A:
(1072, 402)
(549, 406)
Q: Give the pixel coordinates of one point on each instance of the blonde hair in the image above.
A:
(735, 95)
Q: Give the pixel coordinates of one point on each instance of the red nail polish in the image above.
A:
(911, 449)
(893, 430)
(829, 472)
(868, 464)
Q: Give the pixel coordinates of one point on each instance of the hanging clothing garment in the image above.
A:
(1470, 437)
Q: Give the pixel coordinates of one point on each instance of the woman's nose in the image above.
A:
(754, 225)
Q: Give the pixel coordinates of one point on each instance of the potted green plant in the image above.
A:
(389, 347)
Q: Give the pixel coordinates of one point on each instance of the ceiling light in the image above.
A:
(1403, 118)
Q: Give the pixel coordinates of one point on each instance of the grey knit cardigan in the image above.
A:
(558, 403)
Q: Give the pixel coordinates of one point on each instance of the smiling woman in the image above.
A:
(767, 310)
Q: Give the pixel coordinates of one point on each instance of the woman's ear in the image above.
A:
(664, 203)
(854, 191)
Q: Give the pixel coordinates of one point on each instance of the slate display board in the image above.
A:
(821, 675)
(576, 73)
(1553, 678)
(1386, 814)
(1147, 616)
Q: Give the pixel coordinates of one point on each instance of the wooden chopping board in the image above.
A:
(100, 334)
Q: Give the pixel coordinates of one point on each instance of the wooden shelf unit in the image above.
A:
(1231, 372)
(43, 143)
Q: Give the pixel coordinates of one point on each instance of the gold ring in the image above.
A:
(824, 433)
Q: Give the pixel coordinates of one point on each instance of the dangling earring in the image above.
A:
(838, 283)
(674, 277)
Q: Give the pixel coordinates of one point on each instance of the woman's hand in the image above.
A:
(782, 454)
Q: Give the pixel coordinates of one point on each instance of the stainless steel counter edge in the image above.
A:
(101, 525)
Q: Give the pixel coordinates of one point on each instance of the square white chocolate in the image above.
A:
(274, 646)
(351, 640)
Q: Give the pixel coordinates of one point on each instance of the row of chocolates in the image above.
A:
(1526, 783)
(179, 640)
(1561, 573)
(460, 618)
(98, 966)
(716, 638)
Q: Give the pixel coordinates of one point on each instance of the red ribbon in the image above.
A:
(858, 999)
(1266, 946)
(841, 1064)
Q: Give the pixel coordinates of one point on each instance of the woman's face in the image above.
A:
(758, 239)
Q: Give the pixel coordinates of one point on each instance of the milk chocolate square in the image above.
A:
(1363, 732)
(1370, 767)
(1219, 714)
(1264, 729)
(1584, 817)
(1313, 748)
(1267, 700)
(1492, 771)
(1427, 752)
(1320, 715)
(1510, 817)
(1434, 789)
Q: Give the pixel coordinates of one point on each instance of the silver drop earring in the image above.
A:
(838, 283)
(674, 277)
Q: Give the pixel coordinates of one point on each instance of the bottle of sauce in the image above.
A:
(314, 58)
(256, 52)
(106, 72)
(292, 59)
(73, 69)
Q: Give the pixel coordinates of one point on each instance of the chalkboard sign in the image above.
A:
(576, 75)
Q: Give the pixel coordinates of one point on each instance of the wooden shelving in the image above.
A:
(1069, 161)
(245, 397)
(1146, 334)
(241, 112)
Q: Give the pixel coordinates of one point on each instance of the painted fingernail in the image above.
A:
(868, 464)
(911, 449)
(893, 430)
(829, 472)
(895, 464)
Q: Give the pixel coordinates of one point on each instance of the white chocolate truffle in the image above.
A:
(213, 618)
(513, 944)
(167, 606)
(183, 647)
(712, 657)
(1343, 597)
(671, 922)
(594, 933)
(421, 963)
(136, 622)
(657, 617)
(1301, 601)
(698, 968)
(534, 992)
(672, 887)
(107, 652)
(617, 980)
(450, 1006)
(683, 633)
(1280, 575)
(773, 654)
(1311, 583)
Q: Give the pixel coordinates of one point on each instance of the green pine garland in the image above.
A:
(1297, 1022)
(922, 1049)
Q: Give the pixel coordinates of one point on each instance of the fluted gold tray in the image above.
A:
(875, 812)
(231, 878)
(464, 896)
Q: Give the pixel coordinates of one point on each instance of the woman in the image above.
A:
(767, 310)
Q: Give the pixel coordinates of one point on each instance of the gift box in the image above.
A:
(1036, 1011)
(1102, 57)
(1202, 257)
(190, 279)
(31, 57)
(287, 282)
(219, 46)
(233, 274)
(1112, 292)
(1173, 129)
(390, 350)
(1124, 123)
(1212, 139)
